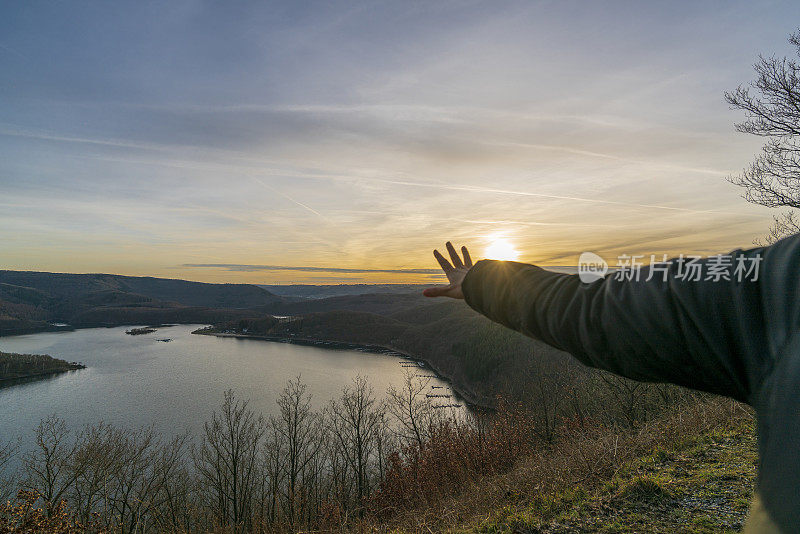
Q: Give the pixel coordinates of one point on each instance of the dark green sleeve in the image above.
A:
(707, 335)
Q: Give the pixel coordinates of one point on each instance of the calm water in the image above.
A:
(136, 381)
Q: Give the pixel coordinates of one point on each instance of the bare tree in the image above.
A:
(547, 391)
(543, 381)
(7, 452)
(411, 409)
(273, 475)
(55, 464)
(99, 450)
(633, 399)
(338, 482)
(355, 421)
(143, 466)
(169, 494)
(297, 427)
(772, 107)
(130, 480)
(227, 461)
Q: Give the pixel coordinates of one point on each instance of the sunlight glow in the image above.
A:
(501, 249)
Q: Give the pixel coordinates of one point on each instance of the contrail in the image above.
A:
(475, 189)
(13, 51)
(82, 140)
(290, 199)
(338, 177)
(251, 268)
(602, 155)
(533, 223)
(304, 206)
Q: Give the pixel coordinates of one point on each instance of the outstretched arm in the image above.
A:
(739, 338)
(707, 335)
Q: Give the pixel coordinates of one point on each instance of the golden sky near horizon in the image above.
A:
(342, 142)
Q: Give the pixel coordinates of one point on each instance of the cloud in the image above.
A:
(337, 135)
(237, 267)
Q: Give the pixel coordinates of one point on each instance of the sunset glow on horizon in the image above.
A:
(341, 142)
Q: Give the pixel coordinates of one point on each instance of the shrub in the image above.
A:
(22, 515)
(454, 454)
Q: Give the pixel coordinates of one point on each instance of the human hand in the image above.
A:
(455, 273)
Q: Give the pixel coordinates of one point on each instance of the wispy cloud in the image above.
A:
(347, 270)
(478, 189)
(363, 137)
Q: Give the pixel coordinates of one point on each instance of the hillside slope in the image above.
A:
(30, 301)
(477, 355)
(703, 484)
(307, 291)
(76, 286)
(691, 471)
(378, 303)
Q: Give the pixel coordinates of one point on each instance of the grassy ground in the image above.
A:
(702, 484)
(692, 470)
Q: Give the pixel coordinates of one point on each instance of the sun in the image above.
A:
(501, 249)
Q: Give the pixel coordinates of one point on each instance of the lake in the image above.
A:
(135, 381)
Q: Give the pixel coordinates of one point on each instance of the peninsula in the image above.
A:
(15, 367)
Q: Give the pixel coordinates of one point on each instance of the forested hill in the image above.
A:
(30, 301)
(182, 292)
(481, 358)
(306, 291)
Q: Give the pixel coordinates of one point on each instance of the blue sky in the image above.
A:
(151, 138)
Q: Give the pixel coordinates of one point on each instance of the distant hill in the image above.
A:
(379, 303)
(305, 291)
(74, 286)
(31, 301)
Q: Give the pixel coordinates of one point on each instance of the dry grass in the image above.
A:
(547, 481)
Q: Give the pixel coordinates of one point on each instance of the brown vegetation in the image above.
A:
(359, 463)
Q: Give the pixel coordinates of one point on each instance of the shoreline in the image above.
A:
(30, 377)
(84, 326)
(467, 398)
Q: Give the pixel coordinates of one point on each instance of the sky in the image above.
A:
(340, 142)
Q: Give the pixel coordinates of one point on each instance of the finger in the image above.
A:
(454, 256)
(437, 291)
(467, 258)
(446, 267)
